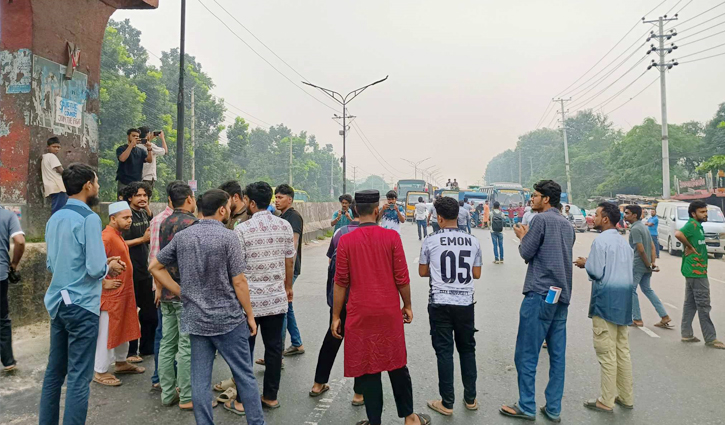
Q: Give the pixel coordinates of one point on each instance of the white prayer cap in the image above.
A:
(117, 207)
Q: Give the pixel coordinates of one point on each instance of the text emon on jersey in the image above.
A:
(456, 241)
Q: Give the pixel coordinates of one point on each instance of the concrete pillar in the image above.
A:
(37, 101)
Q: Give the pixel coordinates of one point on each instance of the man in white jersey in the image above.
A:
(452, 259)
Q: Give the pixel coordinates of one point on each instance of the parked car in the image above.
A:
(674, 215)
(580, 222)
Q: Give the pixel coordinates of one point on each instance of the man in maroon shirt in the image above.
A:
(371, 263)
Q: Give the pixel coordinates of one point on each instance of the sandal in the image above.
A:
(358, 403)
(519, 414)
(133, 370)
(592, 404)
(549, 416)
(269, 405)
(472, 406)
(621, 403)
(109, 381)
(134, 359)
(692, 339)
(438, 406)
(664, 325)
(716, 344)
(10, 368)
(225, 385)
(259, 362)
(228, 406)
(365, 422)
(423, 418)
(325, 388)
(229, 394)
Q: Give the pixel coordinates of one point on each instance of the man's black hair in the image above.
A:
(353, 204)
(391, 195)
(346, 197)
(460, 203)
(260, 193)
(132, 189)
(285, 189)
(496, 205)
(132, 130)
(550, 189)
(232, 187)
(366, 209)
(53, 141)
(447, 208)
(635, 209)
(76, 176)
(420, 199)
(170, 185)
(612, 212)
(696, 205)
(211, 200)
(178, 194)
(143, 131)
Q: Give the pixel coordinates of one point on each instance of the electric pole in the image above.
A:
(519, 166)
(663, 66)
(337, 97)
(191, 151)
(180, 100)
(290, 160)
(531, 163)
(354, 179)
(566, 148)
(332, 176)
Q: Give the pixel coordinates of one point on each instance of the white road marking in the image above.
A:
(324, 403)
(670, 305)
(416, 259)
(716, 280)
(649, 332)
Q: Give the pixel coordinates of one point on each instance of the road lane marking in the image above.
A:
(416, 259)
(648, 331)
(716, 280)
(324, 403)
(670, 305)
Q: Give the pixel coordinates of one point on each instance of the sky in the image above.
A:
(466, 78)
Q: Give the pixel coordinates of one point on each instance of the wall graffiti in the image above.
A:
(58, 103)
(16, 70)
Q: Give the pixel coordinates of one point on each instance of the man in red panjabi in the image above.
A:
(371, 264)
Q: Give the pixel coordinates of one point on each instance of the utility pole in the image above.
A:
(382, 185)
(191, 151)
(332, 176)
(180, 100)
(337, 97)
(290, 160)
(354, 179)
(415, 165)
(531, 163)
(519, 166)
(663, 66)
(566, 148)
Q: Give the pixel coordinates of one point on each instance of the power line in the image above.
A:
(371, 152)
(581, 104)
(702, 51)
(683, 8)
(700, 14)
(355, 124)
(672, 8)
(701, 23)
(547, 111)
(706, 57)
(701, 39)
(633, 97)
(264, 59)
(592, 86)
(611, 98)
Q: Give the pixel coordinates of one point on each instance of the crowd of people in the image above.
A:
(210, 272)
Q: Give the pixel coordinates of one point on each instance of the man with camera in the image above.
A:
(149, 168)
(9, 229)
(132, 160)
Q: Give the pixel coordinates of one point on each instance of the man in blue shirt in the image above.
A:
(77, 259)
(609, 267)
(652, 223)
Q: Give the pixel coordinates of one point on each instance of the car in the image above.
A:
(580, 222)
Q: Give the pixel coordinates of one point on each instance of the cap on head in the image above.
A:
(367, 196)
(117, 207)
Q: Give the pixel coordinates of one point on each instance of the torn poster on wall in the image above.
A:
(58, 103)
(16, 68)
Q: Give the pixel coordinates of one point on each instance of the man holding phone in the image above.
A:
(344, 216)
(149, 168)
(131, 160)
(392, 214)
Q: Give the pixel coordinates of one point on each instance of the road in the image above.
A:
(674, 383)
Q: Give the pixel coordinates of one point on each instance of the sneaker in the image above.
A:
(293, 351)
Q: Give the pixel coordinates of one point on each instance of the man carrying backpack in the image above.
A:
(497, 223)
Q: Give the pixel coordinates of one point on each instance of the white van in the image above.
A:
(673, 215)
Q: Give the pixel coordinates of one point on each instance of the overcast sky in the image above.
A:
(466, 77)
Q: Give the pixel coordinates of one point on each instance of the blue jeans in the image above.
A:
(643, 280)
(73, 335)
(539, 321)
(157, 343)
(422, 224)
(657, 245)
(497, 238)
(57, 201)
(234, 348)
(290, 324)
(468, 225)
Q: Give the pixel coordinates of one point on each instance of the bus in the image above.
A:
(405, 186)
(505, 194)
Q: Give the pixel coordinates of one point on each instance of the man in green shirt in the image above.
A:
(697, 286)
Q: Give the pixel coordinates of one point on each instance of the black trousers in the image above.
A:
(271, 329)
(371, 387)
(449, 323)
(328, 351)
(147, 317)
(6, 331)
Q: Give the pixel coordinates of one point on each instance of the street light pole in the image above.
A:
(180, 100)
(344, 100)
(415, 164)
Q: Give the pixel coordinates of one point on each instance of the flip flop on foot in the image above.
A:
(107, 380)
(716, 344)
(549, 416)
(423, 418)
(438, 406)
(269, 405)
(228, 406)
(358, 400)
(293, 351)
(130, 370)
(472, 406)
(225, 385)
(187, 407)
(664, 325)
(515, 412)
(156, 388)
(325, 388)
(621, 403)
(594, 405)
(638, 323)
(229, 394)
(10, 368)
(691, 339)
(134, 359)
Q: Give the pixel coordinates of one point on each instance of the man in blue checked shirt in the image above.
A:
(77, 259)
(609, 267)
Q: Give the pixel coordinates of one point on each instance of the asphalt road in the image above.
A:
(675, 383)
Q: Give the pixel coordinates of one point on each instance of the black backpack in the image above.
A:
(497, 221)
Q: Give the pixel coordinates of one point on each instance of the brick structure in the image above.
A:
(38, 100)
